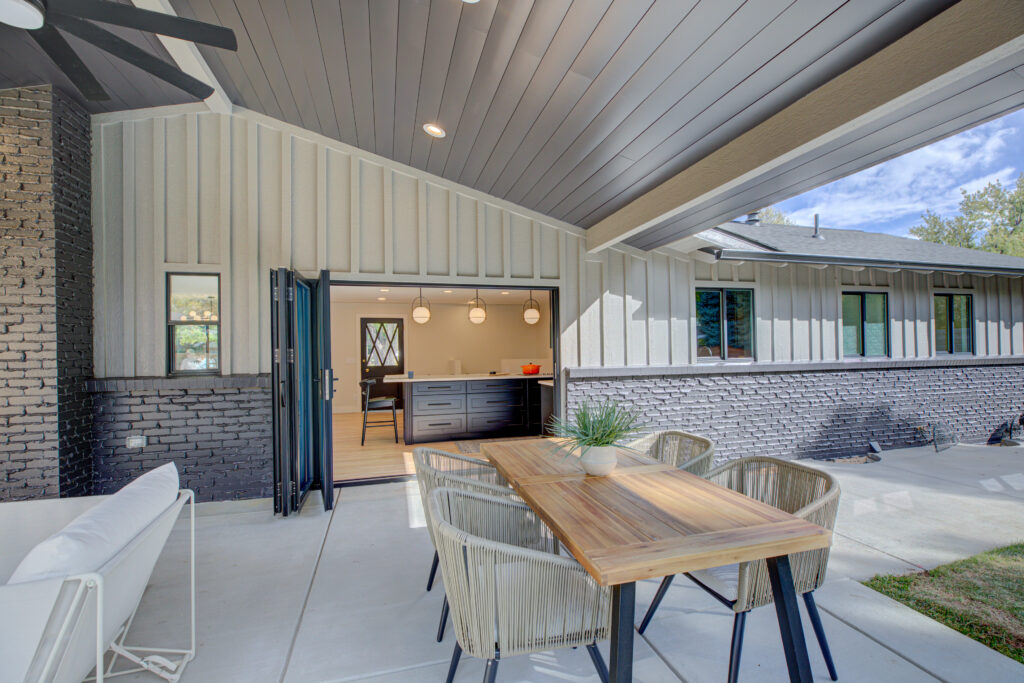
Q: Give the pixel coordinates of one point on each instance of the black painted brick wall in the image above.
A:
(818, 414)
(72, 192)
(220, 438)
(44, 227)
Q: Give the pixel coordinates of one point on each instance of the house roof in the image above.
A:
(857, 247)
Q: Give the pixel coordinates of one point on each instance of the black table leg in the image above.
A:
(788, 612)
(623, 608)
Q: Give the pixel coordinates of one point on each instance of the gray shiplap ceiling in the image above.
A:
(572, 108)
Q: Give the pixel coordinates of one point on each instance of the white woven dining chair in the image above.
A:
(436, 468)
(510, 592)
(680, 449)
(802, 491)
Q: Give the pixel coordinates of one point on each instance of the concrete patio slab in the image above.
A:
(340, 596)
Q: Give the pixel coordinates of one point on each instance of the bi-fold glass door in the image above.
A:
(300, 330)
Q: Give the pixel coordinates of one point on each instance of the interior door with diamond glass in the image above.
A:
(383, 353)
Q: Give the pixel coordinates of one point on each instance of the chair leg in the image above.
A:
(658, 597)
(491, 672)
(738, 624)
(598, 660)
(444, 620)
(819, 631)
(433, 572)
(394, 421)
(363, 441)
(455, 662)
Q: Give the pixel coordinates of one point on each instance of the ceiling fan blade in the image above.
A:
(147, 20)
(107, 41)
(64, 56)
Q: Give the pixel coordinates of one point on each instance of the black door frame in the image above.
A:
(556, 327)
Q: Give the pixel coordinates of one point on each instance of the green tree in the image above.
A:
(991, 219)
(772, 216)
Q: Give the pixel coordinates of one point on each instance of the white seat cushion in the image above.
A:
(96, 535)
(723, 580)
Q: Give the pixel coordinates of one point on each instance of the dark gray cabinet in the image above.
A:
(443, 411)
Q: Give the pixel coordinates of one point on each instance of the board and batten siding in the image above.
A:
(178, 189)
(798, 308)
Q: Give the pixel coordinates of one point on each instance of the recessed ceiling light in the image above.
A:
(470, 2)
(382, 298)
(504, 292)
(434, 130)
(447, 291)
(384, 289)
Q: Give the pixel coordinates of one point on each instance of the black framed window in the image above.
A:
(725, 323)
(865, 324)
(954, 323)
(193, 323)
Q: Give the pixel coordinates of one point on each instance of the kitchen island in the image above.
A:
(450, 407)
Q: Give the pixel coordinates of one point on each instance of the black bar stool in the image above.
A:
(377, 404)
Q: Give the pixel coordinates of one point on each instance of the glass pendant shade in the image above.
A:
(477, 310)
(420, 309)
(531, 311)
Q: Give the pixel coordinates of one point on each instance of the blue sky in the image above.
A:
(891, 196)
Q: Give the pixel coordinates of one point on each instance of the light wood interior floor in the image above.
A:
(380, 457)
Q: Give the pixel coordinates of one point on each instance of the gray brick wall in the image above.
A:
(818, 413)
(45, 295)
(217, 431)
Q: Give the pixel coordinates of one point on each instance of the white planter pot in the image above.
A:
(599, 460)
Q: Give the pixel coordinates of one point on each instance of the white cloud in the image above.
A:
(894, 194)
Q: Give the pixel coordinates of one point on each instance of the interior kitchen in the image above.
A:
(447, 367)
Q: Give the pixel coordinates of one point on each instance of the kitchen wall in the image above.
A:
(430, 347)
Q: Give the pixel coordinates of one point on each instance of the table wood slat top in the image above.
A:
(647, 520)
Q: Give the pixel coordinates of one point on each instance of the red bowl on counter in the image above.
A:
(531, 369)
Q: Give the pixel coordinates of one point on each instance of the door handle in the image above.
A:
(328, 385)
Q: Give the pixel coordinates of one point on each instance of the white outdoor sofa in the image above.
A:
(59, 628)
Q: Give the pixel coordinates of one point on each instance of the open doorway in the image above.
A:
(455, 382)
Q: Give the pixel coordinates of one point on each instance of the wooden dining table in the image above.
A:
(649, 520)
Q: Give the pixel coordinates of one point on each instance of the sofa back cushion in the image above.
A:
(95, 536)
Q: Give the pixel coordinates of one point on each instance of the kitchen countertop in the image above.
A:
(547, 383)
(388, 379)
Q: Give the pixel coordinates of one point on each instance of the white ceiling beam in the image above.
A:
(188, 58)
(967, 37)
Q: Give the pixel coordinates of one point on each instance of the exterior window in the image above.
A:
(193, 323)
(725, 323)
(954, 329)
(865, 324)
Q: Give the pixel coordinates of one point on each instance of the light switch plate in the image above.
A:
(135, 442)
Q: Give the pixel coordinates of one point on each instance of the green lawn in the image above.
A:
(982, 597)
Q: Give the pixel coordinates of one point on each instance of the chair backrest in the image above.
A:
(679, 449)
(436, 468)
(364, 390)
(800, 490)
(507, 588)
(66, 647)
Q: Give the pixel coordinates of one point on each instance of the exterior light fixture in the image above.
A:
(420, 309)
(431, 129)
(477, 310)
(531, 310)
(27, 14)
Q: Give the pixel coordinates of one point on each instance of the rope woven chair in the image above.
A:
(436, 468)
(802, 491)
(510, 592)
(683, 450)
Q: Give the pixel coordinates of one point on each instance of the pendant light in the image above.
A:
(477, 310)
(531, 310)
(420, 309)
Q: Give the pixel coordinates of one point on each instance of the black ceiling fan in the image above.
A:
(42, 18)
